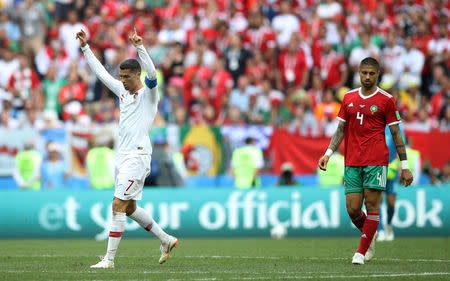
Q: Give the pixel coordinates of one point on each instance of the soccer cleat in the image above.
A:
(166, 248)
(389, 232)
(381, 236)
(104, 263)
(371, 251)
(358, 259)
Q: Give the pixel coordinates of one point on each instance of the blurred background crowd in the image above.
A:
(278, 63)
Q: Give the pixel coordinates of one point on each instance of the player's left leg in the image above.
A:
(138, 214)
(381, 236)
(145, 220)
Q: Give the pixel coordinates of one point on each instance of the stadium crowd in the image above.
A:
(275, 62)
(283, 63)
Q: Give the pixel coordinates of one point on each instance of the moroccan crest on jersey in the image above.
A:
(373, 109)
(398, 115)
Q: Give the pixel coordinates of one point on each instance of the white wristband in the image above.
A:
(405, 165)
(329, 152)
(85, 47)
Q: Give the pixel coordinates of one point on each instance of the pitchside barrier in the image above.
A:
(305, 211)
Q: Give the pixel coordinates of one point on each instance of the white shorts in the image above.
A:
(131, 171)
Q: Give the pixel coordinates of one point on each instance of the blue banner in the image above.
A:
(315, 212)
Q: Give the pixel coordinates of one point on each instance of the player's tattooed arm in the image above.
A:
(337, 137)
(398, 140)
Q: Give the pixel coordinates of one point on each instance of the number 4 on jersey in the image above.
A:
(360, 117)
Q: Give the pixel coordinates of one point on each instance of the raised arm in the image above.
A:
(406, 176)
(334, 145)
(147, 62)
(113, 84)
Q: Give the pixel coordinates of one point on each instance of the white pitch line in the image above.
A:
(238, 257)
(313, 258)
(392, 275)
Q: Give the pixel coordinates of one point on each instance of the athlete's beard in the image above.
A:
(367, 86)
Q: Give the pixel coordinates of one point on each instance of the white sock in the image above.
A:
(115, 233)
(145, 220)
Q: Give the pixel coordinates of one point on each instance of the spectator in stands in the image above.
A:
(240, 95)
(280, 114)
(51, 87)
(221, 81)
(62, 9)
(411, 62)
(9, 63)
(100, 161)
(107, 113)
(444, 122)
(285, 23)
(51, 120)
(54, 169)
(411, 97)
(333, 69)
(167, 173)
(31, 118)
(287, 175)
(24, 84)
(359, 53)
(27, 169)
(53, 54)
(246, 165)
(171, 33)
(255, 115)
(292, 69)
(6, 116)
(328, 106)
(446, 173)
(180, 115)
(11, 28)
(238, 22)
(438, 101)
(434, 84)
(438, 47)
(423, 123)
(173, 64)
(304, 123)
(31, 21)
(334, 176)
(236, 57)
(200, 48)
(66, 31)
(74, 90)
(391, 55)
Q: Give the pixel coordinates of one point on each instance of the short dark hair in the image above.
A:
(131, 64)
(249, 140)
(370, 61)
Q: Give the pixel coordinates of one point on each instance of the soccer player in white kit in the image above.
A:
(138, 107)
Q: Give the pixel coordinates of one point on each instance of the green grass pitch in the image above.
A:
(227, 259)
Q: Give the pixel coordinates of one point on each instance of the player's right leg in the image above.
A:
(124, 166)
(354, 195)
(354, 200)
(117, 228)
(374, 182)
